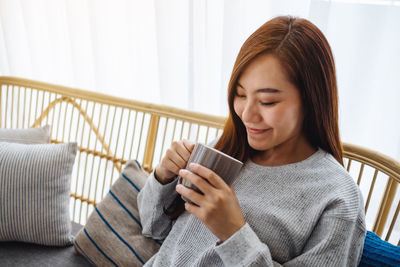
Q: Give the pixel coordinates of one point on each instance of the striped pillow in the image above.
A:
(39, 135)
(112, 235)
(34, 192)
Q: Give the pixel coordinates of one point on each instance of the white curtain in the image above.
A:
(181, 52)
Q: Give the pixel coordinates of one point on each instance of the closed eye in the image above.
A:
(268, 103)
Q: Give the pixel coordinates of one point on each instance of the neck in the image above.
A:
(293, 150)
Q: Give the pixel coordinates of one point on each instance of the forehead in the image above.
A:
(265, 71)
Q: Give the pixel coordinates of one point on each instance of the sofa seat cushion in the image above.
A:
(25, 254)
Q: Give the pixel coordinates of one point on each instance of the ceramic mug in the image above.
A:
(222, 164)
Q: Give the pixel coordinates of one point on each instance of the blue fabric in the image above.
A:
(378, 252)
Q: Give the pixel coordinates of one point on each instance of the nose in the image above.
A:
(250, 112)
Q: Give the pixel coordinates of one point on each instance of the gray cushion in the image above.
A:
(24, 254)
(34, 190)
(40, 135)
(113, 233)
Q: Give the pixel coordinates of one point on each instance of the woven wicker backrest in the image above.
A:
(371, 170)
(110, 130)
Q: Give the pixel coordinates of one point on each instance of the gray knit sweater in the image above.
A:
(308, 213)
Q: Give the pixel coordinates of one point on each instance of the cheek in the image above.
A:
(288, 118)
(238, 107)
(296, 120)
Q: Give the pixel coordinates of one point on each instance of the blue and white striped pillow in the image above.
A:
(112, 235)
(34, 192)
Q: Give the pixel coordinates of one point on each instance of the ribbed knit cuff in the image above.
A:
(241, 248)
(165, 193)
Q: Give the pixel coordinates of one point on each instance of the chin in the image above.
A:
(259, 146)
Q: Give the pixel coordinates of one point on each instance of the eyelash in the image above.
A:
(267, 103)
(262, 103)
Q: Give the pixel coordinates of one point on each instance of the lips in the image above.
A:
(256, 131)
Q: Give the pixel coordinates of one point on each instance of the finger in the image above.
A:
(196, 180)
(193, 209)
(175, 158)
(188, 144)
(208, 174)
(182, 151)
(171, 166)
(232, 188)
(189, 194)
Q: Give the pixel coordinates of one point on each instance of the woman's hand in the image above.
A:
(175, 159)
(218, 208)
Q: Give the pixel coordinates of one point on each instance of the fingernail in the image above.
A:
(193, 165)
(182, 171)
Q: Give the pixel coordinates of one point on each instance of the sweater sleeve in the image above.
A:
(151, 200)
(334, 242)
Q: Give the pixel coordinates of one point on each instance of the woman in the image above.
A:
(293, 203)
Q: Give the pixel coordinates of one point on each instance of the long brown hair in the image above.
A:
(305, 54)
(307, 57)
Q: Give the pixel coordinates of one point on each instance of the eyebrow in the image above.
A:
(263, 90)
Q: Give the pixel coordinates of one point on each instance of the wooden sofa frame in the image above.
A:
(110, 130)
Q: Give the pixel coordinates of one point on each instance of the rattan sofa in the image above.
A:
(110, 130)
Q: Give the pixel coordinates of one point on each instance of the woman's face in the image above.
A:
(269, 105)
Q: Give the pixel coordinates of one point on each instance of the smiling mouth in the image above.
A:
(256, 131)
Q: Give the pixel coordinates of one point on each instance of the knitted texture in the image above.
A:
(308, 213)
(378, 252)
